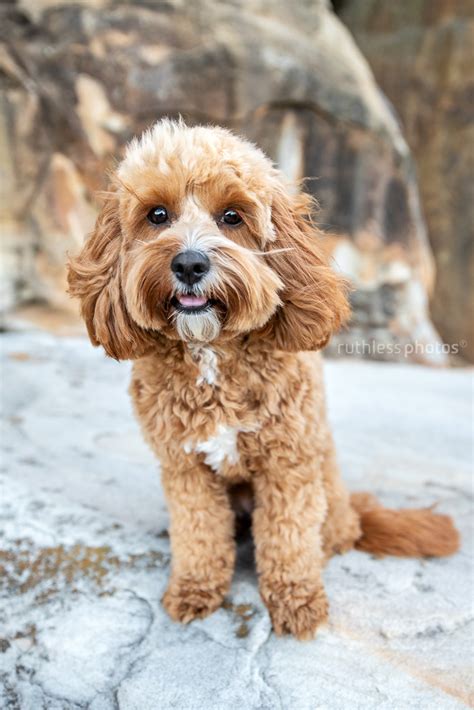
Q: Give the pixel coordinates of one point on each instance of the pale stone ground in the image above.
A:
(85, 553)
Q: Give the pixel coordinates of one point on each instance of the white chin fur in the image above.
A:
(203, 327)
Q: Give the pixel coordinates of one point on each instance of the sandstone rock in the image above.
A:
(422, 57)
(82, 78)
(84, 555)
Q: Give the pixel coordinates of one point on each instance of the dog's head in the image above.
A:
(199, 239)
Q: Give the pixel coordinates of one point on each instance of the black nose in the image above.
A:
(190, 266)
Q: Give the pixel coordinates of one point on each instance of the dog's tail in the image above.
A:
(404, 533)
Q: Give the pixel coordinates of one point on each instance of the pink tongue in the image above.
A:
(192, 301)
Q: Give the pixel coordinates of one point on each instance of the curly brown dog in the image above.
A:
(205, 268)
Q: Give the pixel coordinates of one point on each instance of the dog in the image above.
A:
(206, 270)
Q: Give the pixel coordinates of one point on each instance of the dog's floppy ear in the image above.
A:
(94, 278)
(314, 302)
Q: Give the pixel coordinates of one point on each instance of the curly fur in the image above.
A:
(230, 399)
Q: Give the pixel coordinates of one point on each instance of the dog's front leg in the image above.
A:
(202, 541)
(289, 511)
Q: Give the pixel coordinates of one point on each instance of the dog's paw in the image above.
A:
(187, 600)
(296, 609)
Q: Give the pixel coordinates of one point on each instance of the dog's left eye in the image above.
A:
(158, 215)
(231, 217)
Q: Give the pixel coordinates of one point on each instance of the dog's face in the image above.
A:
(200, 240)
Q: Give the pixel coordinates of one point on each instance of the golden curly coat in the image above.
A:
(205, 268)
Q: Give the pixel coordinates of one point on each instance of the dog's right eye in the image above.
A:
(158, 215)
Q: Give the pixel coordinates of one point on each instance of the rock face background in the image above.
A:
(80, 79)
(422, 55)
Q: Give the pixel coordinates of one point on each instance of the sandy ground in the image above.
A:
(84, 553)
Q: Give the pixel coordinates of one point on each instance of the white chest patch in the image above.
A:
(207, 360)
(220, 447)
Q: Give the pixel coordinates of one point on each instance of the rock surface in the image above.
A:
(82, 78)
(84, 554)
(422, 56)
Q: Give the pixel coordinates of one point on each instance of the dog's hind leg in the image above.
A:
(341, 526)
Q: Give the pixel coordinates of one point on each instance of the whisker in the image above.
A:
(130, 190)
(282, 250)
(107, 193)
